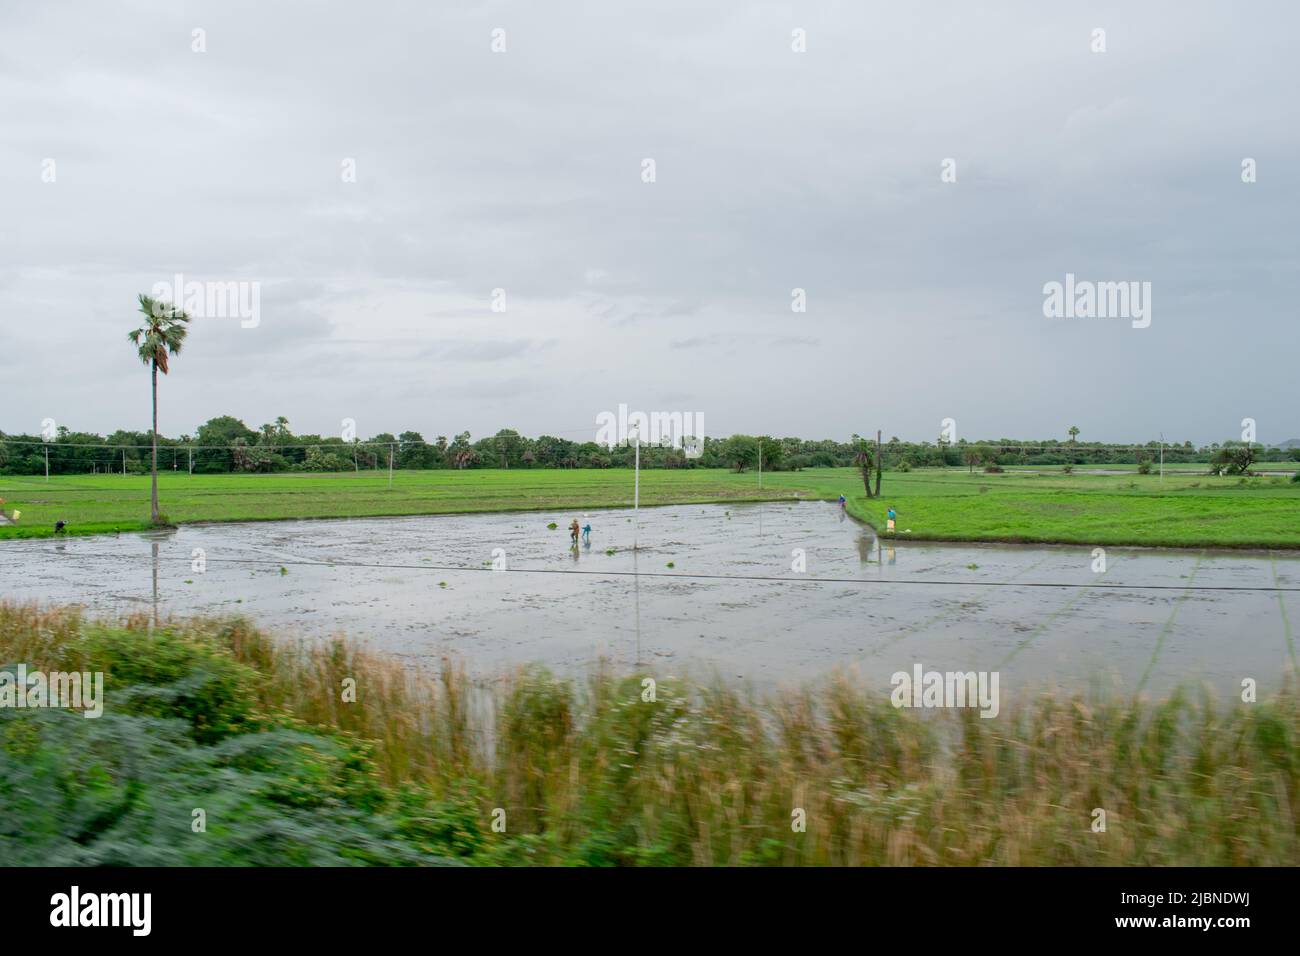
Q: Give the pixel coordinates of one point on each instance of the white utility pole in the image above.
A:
(390, 467)
(636, 494)
(1162, 457)
(760, 463)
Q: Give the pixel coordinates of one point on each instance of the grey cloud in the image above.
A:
(487, 350)
(775, 170)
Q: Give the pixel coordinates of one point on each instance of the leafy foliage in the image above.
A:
(599, 773)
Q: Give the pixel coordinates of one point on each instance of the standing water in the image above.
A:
(765, 593)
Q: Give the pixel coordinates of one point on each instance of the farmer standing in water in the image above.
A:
(573, 532)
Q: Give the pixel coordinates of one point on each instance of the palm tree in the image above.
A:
(1074, 433)
(162, 335)
(863, 460)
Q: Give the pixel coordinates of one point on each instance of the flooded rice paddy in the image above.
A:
(711, 589)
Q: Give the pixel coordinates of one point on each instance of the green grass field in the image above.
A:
(1186, 509)
(107, 503)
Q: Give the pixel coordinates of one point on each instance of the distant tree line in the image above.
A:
(226, 445)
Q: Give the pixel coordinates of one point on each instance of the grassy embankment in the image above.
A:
(1043, 506)
(214, 716)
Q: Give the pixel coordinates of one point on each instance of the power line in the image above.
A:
(949, 582)
(983, 445)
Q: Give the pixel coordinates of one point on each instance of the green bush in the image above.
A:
(212, 715)
(124, 791)
(161, 673)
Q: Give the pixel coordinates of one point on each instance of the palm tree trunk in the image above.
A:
(153, 468)
(878, 464)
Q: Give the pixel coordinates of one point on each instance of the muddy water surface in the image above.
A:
(732, 602)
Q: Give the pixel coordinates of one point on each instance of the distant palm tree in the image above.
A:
(1074, 433)
(162, 335)
(864, 461)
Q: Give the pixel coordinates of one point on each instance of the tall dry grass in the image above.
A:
(587, 771)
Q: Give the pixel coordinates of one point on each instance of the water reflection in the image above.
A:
(636, 591)
(872, 550)
(156, 541)
(154, 548)
(867, 544)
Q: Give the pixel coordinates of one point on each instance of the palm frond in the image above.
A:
(163, 333)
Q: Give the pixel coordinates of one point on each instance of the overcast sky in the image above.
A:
(774, 170)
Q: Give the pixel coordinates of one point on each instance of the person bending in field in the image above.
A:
(573, 531)
(586, 534)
